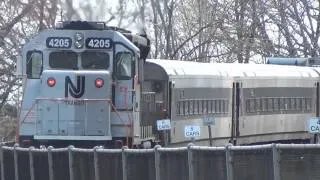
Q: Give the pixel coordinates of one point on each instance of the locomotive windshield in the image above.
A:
(69, 60)
(94, 60)
(34, 64)
(124, 65)
(63, 60)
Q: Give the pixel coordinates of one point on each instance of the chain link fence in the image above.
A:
(262, 162)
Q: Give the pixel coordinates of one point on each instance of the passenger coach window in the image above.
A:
(34, 64)
(124, 65)
(63, 60)
(95, 60)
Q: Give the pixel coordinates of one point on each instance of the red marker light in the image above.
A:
(99, 82)
(51, 82)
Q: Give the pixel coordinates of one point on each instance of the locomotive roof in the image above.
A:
(176, 68)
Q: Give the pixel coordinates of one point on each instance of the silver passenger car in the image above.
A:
(251, 103)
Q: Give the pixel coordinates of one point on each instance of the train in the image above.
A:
(294, 61)
(88, 84)
(251, 103)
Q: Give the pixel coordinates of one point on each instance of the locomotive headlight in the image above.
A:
(51, 82)
(78, 40)
(99, 82)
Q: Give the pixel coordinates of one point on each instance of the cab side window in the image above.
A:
(124, 65)
(34, 64)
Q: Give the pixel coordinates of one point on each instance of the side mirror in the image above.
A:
(19, 69)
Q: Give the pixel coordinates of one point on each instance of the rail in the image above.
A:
(263, 162)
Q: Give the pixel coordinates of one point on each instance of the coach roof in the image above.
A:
(177, 68)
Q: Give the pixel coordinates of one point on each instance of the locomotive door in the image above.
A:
(124, 70)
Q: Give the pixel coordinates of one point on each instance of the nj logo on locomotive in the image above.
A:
(75, 91)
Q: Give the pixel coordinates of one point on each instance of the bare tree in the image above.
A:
(19, 20)
(163, 27)
(180, 31)
(256, 35)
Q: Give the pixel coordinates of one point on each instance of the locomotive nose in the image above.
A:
(79, 84)
(75, 103)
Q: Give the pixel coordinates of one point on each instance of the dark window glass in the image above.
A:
(303, 104)
(309, 104)
(264, 104)
(226, 106)
(276, 104)
(217, 106)
(34, 64)
(251, 105)
(205, 107)
(298, 104)
(209, 106)
(191, 107)
(178, 108)
(124, 65)
(95, 60)
(221, 106)
(196, 105)
(63, 60)
(181, 108)
(258, 104)
(282, 104)
(213, 106)
(200, 106)
(270, 104)
(288, 103)
(248, 105)
(186, 107)
(293, 104)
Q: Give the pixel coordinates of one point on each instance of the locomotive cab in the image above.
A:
(80, 87)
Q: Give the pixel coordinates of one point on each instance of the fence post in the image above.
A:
(70, 148)
(124, 164)
(2, 162)
(50, 163)
(190, 162)
(96, 163)
(31, 163)
(15, 156)
(157, 161)
(276, 162)
(229, 162)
